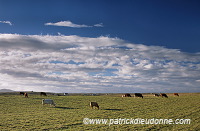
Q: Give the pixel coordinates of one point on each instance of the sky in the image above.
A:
(99, 46)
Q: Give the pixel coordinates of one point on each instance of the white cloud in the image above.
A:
(70, 24)
(99, 25)
(82, 64)
(67, 24)
(6, 22)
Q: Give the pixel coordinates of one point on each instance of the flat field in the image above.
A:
(19, 113)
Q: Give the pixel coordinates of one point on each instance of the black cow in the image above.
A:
(43, 93)
(157, 95)
(21, 93)
(138, 95)
(163, 95)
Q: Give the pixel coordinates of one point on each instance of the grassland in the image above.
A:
(19, 113)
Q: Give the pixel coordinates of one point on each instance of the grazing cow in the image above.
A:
(127, 95)
(123, 95)
(48, 101)
(163, 95)
(21, 93)
(65, 94)
(157, 95)
(176, 94)
(43, 93)
(138, 95)
(25, 95)
(95, 104)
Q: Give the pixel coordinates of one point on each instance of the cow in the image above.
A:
(138, 95)
(163, 95)
(43, 93)
(26, 95)
(48, 101)
(65, 94)
(157, 95)
(95, 104)
(21, 93)
(126, 95)
(176, 94)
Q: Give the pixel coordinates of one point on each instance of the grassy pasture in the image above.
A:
(19, 113)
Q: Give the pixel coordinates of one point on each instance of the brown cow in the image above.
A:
(163, 95)
(176, 94)
(25, 95)
(95, 104)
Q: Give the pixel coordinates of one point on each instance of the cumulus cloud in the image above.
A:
(6, 22)
(82, 64)
(70, 24)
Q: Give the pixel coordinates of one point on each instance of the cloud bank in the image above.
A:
(82, 64)
(6, 22)
(70, 24)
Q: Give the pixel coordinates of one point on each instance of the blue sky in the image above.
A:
(118, 46)
(170, 23)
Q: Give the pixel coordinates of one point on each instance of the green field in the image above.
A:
(19, 113)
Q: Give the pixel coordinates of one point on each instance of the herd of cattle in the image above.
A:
(155, 94)
(94, 104)
(26, 94)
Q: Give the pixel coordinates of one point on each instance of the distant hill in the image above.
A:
(6, 90)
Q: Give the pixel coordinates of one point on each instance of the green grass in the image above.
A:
(19, 113)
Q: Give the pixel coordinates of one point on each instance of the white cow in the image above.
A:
(48, 101)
